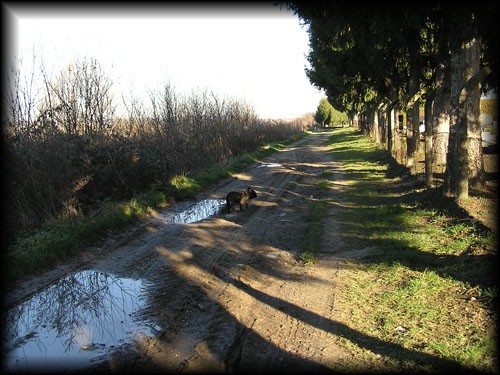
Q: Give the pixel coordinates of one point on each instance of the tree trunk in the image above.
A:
(381, 125)
(428, 139)
(456, 82)
(412, 133)
(390, 127)
(355, 120)
(399, 139)
(467, 162)
(375, 126)
(441, 119)
(472, 96)
(413, 113)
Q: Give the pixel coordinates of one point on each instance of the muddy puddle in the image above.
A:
(79, 320)
(73, 323)
(192, 212)
(269, 165)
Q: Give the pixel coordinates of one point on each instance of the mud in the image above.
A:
(196, 289)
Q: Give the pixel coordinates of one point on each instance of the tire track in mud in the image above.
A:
(227, 294)
(188, 267)
(240, 340)
(300, 303)
(220, 263)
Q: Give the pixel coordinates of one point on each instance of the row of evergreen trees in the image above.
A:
(373, 60)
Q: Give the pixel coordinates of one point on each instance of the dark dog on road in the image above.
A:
(241, 198)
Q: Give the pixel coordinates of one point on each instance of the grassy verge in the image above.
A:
(186, 185)
(56, 241)
(315, 222)
(314, 232)
(424, 298)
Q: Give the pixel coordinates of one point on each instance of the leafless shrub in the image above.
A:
(68, 151)
(19, 101)
(79, 101)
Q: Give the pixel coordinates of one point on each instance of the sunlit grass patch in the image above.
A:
(420, 311)
(184, 185)
(307, 257)
(431, 287)
(324, 185)
(314, 232)
(55, 242)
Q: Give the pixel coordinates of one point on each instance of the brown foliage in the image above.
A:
(64, 171)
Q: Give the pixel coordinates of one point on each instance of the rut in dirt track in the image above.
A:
(227, 293)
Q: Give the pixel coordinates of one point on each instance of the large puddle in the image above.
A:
(80, 319)
(189, 212)
(73, 323)
(77, 321)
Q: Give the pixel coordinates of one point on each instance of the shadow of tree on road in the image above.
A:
(384, 348)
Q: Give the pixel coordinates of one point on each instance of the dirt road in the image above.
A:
(228, 293)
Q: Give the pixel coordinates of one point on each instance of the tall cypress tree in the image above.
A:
(323, 113)
(364, 57)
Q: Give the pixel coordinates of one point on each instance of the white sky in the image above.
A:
(250, 53)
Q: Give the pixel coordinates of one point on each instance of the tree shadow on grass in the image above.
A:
(387, 205)
(384, 348)
(474, 270)
(389, 230)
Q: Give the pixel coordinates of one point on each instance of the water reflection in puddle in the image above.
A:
(269, 165)
(74, 322)
(193, 212)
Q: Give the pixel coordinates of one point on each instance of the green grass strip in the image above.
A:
(55, 242)
(314, 232)
(187, 185)
(427, 285)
